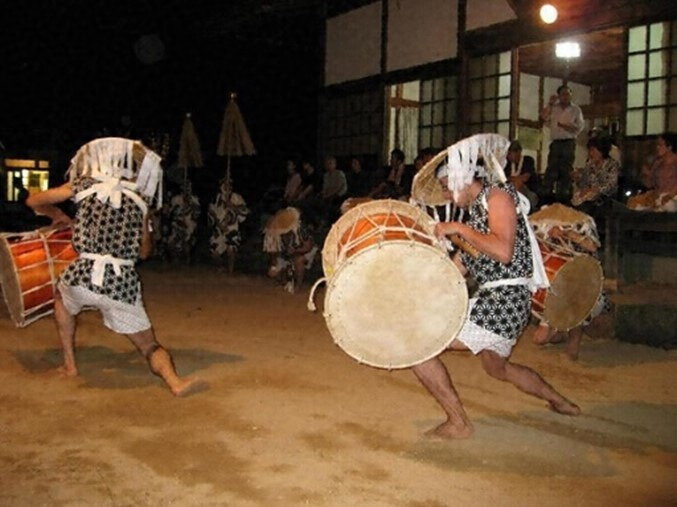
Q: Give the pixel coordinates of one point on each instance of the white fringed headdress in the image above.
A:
(119, 163)
(462, 158)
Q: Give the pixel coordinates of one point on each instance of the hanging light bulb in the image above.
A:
(548, 14)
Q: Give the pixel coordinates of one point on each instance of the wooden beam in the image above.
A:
(400, 102)
(592, 15)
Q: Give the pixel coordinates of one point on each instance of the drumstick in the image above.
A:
(464, 245)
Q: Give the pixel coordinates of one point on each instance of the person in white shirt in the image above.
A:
(565, 120)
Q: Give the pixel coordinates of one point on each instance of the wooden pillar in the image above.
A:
(382, 157)
(321, 145)
(514, 93)
(462, 107)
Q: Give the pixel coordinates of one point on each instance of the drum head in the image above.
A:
(396, 304)
(9, 280)
(573, 292)
(331, 254)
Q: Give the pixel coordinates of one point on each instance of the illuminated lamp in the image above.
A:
(567, 50)
(548, 14)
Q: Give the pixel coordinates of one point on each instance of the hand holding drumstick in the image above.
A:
(442, 230)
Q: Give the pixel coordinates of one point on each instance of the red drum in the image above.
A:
(575, 284)
(30, 265)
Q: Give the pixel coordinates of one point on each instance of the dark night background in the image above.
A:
(69, 69)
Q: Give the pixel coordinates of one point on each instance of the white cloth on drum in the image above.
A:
(117, 316)
(477, 339)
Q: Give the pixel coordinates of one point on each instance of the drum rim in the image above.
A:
(9, 280)
(592, 262)
(330, 251)
(11, 284)
(453, 333)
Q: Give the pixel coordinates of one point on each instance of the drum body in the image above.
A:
(372, 223)
(575, 284)
(30, 265)
(394, 298)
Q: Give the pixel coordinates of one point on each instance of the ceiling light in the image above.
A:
(568, 50)
(548, 13)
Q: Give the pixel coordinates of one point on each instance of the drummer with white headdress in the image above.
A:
(289, 242)
(508, 268)
(113, 181)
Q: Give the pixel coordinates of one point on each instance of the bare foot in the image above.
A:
(542, 335)
(189, 387)
(67, 371)
(565, 407)
(449, 431)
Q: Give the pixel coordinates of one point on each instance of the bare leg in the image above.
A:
(574, 343)
(65, 326)
(161, 364)
(527, 380)
(299, 269)
(434, 376)
(230, 258)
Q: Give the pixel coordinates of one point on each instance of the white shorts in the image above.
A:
(477, 339)
(120, 317)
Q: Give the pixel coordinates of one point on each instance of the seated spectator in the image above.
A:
(521, 172)
(310, 181)
(357, 179)
(334, 188)
(661, 174)
(598, 179)
(393, 186)
(293, 186)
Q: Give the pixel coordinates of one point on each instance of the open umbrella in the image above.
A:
(234, 140)
(189, 148)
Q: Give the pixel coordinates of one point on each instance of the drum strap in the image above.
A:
(505, 281)
(100, 263)
(111, 190)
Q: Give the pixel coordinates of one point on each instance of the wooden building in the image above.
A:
(424, 73)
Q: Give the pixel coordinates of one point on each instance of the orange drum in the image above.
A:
(30, 265)
(575, 284)
(372, 223)
(394, 297)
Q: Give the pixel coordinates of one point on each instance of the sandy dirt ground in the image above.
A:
(290, 419)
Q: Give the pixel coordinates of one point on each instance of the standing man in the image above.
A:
(110, 233)
(565, 120)
(500, 309)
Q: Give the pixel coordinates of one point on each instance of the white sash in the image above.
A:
(100, 263)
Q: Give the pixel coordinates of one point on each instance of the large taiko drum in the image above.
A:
(575, 284)
(30, 265)
(394, 298)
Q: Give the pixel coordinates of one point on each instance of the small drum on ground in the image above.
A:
(394, 298)
(575, 284)
(30, 265)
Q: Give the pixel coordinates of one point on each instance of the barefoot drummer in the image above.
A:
(113, 181)
(504, 268)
